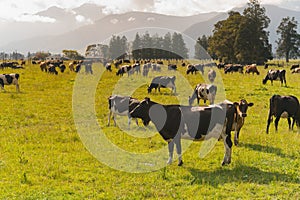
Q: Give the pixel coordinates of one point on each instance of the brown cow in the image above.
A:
(251, 69)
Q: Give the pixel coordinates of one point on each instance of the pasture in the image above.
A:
(43, 157)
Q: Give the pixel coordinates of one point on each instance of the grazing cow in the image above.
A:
(88, 67)
(241, 108)
(8, 79)
(172, 67)
(136, 67)
(146, 68)
(221, 65)
(230, 68)
(163, 82)
(62, 68)
(205, 92)
(124, 69)
(52, 70)
(43, 66)
(108, 67)
(251, 69)
(194, 68)
(286, 107)
(296, 70)
(275, 75)
(121, 105)
(174, 122)
(294, 66)
(211, 75)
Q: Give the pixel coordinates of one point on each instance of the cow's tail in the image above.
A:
(109, 102)
(173, 78)
(17, 76)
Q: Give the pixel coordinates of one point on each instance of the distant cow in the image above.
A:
(8, 79)
(286, 107)
(172, 67)
(211, 75)
(203, 91)
(239, 118)
(275, 75)
(296, 70)
(121, 105)
(162, 82)
(124, 69)
(52, 70)
(230, 68)
(108, 67)
(251, 69)
(175, 122)
(294, 66)
(194, 68)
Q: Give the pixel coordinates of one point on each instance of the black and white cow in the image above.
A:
(163, 82)
(203, 91)
(285, 107)
(174, 122)
(124, 69)
(195, 68)
(211, 75)
(275, 75)
(8, 79)
(239, 117)
(121, 105)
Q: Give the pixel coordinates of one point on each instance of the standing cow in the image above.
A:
(286, 107)
(121, 105)
(174, 122)
(203, 91)
(8, 79)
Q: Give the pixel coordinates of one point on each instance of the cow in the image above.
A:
(275, 75)
(108, 67)
(203, 91)
(52, 70)
(194, 68)
(230, 68)
(296, 70)
(211, 75)
(121, 105)
(286, 107)
(136, 67)
(176, 122)
(88, 67)
(294, 66)
(163, 82)
(251, 69)
(172, 67)
(8, 79)
(124, 69)
(43, 66)
(241, 108)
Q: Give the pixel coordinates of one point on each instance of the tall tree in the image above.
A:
(289, 41)
(252, 43)
(118, 47)
(137, 47)
(167, 45)
(201, 47)
(224, 35)
(178, 46)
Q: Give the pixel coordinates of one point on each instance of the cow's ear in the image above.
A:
(250, 104)
(235, 103)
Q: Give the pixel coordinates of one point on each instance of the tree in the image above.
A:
(72, 54)
(201, 47)
(137, 47)
(118, 47)
(289, 41)
(224, 35)
(252, 43)
(179, 49)
(40, 55)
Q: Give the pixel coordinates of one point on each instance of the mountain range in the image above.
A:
(87, 24)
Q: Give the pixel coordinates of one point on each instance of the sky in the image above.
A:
(15, 9)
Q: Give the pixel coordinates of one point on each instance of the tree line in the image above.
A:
(242, 38)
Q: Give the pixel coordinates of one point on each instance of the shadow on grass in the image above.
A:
(267, 149)
(240, 173)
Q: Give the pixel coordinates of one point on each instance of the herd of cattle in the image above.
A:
(176, 122)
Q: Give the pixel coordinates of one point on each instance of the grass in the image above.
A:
(42, 156)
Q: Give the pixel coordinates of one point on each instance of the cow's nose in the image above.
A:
(244, 115)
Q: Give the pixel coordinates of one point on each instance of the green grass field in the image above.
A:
(43, 157)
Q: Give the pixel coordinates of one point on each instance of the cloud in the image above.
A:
(34, 18)
(82, 19)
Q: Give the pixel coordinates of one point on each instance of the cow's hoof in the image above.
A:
(225, 163)
(180, 163)
(236, 143)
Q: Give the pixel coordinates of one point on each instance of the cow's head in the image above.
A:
(142, 111)
(242, 107)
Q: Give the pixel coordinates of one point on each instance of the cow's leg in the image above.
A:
(171, 149)
(178, 149)
(227, 144)
(129, 121)
(236, 137)
(114, 118)
(269, 121)
(289, 122)
(109, 116)
(17, 87)
(276, 123)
